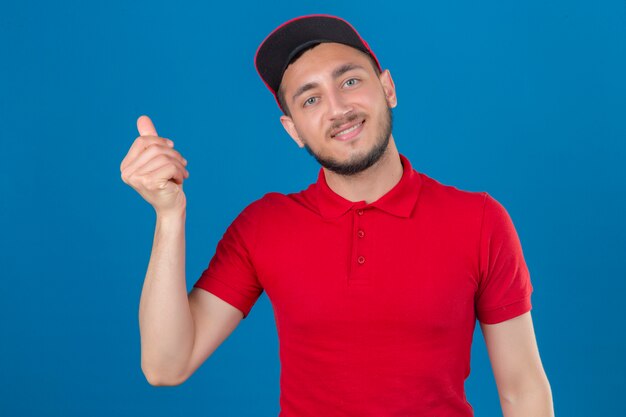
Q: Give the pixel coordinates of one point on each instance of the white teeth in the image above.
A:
(343, 132)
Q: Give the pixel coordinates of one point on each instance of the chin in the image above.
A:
(355, 163)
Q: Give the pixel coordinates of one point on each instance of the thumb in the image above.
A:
(145, 126)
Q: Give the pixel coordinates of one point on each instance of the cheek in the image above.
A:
(382, 105)
(371, 99)
(309, 126)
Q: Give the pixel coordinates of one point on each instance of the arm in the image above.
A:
(178, 331)
(522, 383)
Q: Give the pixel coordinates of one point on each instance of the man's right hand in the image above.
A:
(155, 170)
(178, 330)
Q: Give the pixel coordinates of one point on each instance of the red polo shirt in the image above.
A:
(375, 304)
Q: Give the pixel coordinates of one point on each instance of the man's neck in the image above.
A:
(372, 183)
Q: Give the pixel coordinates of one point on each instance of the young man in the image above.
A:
(376, 273)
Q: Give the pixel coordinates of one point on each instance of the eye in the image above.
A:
(351, 82)
(310, 101)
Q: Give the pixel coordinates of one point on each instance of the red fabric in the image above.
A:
(375, 303)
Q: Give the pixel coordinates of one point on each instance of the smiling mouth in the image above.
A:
(348, 130)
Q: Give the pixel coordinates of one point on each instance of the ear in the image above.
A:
(389, 88)
(290, 127)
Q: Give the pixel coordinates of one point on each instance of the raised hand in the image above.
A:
(155, 170)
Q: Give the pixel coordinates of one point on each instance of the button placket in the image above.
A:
(359, 271)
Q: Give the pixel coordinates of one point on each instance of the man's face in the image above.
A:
(339, 107)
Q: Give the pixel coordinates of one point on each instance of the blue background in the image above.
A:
(525, 100)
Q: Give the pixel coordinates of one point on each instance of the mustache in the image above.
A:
(348, 118)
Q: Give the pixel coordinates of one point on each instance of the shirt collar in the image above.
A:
(399, 201)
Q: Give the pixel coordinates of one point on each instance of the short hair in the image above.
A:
(280, 94)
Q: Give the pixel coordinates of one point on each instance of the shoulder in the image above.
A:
(265, 202)
(269, 203)
(451, 199)
(274, 206)
(477, 207)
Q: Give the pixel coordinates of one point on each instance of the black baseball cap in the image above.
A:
(278, 49)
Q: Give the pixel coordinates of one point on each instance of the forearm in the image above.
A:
(165, 320)
(533, 401)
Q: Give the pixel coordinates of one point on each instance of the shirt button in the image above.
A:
(360, 233)
(361, 260)
(359, 212)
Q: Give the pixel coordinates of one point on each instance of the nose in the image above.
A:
(338, 105)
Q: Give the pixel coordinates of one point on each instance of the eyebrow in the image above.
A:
(303, 89)
(337, 72)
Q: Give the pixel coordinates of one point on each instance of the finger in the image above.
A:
(145, 126)
(169, 172)
(147, 154)
(158, 162)
(141, 144)
(164, 177)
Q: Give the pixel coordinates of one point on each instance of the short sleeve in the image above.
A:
(230, 274)
(504, 287)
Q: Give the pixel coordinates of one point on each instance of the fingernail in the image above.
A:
(170, 143)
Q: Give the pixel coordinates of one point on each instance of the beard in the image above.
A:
(359, 163)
